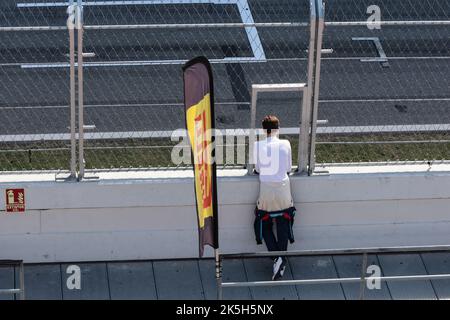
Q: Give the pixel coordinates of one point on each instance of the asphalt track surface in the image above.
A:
(34, 92)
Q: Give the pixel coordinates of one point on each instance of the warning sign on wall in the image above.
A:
(15, 200)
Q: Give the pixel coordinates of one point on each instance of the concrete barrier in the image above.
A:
(151, 215)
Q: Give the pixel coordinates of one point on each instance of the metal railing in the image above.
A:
(304, 123)
(350, 251)
(99, 93)
(387, 77)
(304, 130)
(21, 290)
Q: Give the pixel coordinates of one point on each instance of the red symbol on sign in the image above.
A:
(15, 200)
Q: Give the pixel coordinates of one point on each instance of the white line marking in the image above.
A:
(36, 28)
(10, 64)
(124, 3)
(194, 25)
(381, 53)
(390, 58)
(252, 33)
(385, 100)
(387, 23)
(139, 63)
(227, 132)
(181, 62)
(121, 105)
(242, 5)
(385, 128)
(223, 103)
(158, 26)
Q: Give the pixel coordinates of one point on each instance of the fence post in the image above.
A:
(363, 277)
(73, 143)
(79, 20)
(305, 112)
(252, 133)
(315, 90)
(22, 280)
(218, 274)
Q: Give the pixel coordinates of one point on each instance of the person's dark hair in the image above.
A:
(270, 123)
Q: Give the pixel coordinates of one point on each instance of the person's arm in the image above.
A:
(289, 159)
(255, 157)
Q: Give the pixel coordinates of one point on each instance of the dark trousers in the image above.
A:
(283, 229)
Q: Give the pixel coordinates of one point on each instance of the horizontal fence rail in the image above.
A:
(15, 291)
(387, 23)
(331, 281)
(345, 251)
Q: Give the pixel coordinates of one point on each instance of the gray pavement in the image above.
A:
(195, 279)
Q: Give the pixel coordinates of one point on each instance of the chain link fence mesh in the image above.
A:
(384, 110)
(134, 82)
(34, 101)
(392, 109)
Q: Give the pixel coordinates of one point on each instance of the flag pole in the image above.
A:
(218, 274)
(200, 120)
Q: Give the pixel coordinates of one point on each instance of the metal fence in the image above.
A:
(385, 87)
(19, 288)
(139, 50)
(363, 281)
(34, 112)
(384, 92)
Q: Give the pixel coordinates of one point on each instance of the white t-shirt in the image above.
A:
(273, 159)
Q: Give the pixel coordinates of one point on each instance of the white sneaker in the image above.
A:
(282, 269)
(278, 268)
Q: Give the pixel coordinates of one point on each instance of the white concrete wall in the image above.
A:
(141, 217)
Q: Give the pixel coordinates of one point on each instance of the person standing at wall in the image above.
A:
(273, 162)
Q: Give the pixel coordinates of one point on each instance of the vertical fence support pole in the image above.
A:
(73, 142)
(303, 139)
(305, 112)
(79, 20)
(315, 91)
(22, 281)
(252, 133)
(362, 286)
(218, 274)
